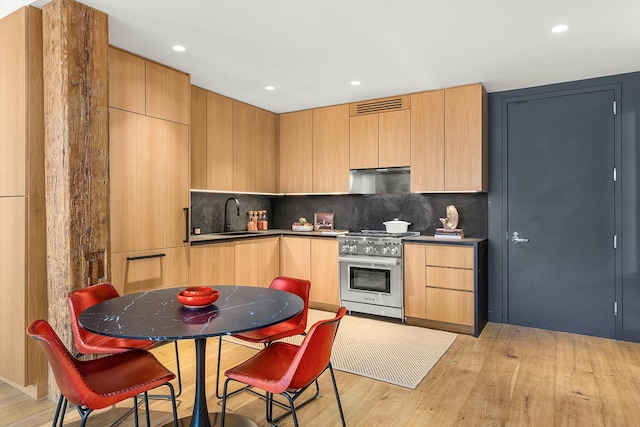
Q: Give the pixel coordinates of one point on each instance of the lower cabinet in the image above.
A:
(445, 286)
(251, 262)
(316, 260)
(145, 270)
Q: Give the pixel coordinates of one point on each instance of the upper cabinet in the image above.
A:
(145, 87)
(233, 145)
(380, 133)
(296, 148)
(331, 149)
(449, 140)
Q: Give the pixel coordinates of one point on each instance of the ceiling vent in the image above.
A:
(380, 105)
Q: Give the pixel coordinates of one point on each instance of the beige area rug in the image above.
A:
(385, 351)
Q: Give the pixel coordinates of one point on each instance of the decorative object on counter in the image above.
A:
(197, 301)
(262, 222)
(449, 230)
(324, 221)
(252, 225)
(302, 225)
(451, 221)
(396, 226)
(196, 230)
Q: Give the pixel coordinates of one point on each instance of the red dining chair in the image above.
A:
(87, 342)
(289, 369)
(294, 326)
(99, 383)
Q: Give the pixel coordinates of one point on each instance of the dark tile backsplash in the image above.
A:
(351, 212)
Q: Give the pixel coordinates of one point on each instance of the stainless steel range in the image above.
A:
(371, 272)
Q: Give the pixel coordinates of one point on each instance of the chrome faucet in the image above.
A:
(227, 226)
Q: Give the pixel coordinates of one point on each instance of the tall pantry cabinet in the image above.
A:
(22, 201)
(149, 172)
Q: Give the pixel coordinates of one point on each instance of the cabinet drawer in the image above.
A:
(450, 278)
(455, 256)
(146, 270)
(450, 306)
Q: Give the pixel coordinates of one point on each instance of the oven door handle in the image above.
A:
(369, 260)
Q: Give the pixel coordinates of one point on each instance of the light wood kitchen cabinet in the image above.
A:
(316, 260)
(149, 164)
(266, 152)
(295, 257)
(445, 286)
(213, 264)
(198, 138)
(167, 93)
(145, 87)
(296, 150)
(151, 269)
(257, 261)
(325, 274)
(330, 170)
(23, 275)
(126, 81)
(449, 140)
(219, 144)
(380, 138)
(244, 147)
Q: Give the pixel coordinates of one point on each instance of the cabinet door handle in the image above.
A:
(186, 225)
(136, 258)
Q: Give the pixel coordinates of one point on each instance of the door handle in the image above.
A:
(517, 239)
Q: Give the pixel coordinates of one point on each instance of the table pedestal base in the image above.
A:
(231, 420)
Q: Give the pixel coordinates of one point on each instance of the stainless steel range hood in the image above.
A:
(379, 181)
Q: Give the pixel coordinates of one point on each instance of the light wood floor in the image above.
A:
(509, 376)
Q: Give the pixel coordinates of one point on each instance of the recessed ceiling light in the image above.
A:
(179, 48)
(559, 28)
(355, 82)
(269, 88)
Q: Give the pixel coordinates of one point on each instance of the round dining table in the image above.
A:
(157, 315)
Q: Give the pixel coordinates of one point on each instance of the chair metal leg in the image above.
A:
(293, 408)
(224, 402)
(335, 389)
(146, 408)
(135, 410)
(62, 401)
(178, 374)
(218, 370)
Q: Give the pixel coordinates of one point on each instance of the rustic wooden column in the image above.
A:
(76, 155)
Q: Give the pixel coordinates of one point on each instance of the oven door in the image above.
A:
(371, 280)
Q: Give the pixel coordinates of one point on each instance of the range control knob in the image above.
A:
(368, 249)
(386, 250)
(344, 248)
(353, 248)
(395, 251)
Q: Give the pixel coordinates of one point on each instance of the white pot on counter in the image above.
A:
(396, 226)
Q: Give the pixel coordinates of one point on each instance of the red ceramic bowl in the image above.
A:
(197, 301)
(195, 291)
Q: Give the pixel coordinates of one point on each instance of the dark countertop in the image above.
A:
(431, 239)
(201, 239)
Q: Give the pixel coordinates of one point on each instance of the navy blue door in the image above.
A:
(560, 212)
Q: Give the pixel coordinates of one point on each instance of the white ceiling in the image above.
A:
(311, 50)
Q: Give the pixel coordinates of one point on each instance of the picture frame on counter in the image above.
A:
(323, 221)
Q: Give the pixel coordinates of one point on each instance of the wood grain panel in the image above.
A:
(14, 287)
(456, 256)
(465, 148)
(137, 275)
(394, 142)
(450, 306)
(244, 147)
(295, 257)
(331, 149)
(126, 81)
(219, 142)
(198, 138)
(175, 180)
(296, 149)
(167, 93)
(268, 260)
(427, 141)
(13, 103)
(414, 281)
(450, 278)
(325, 272)
(363, 141)
(266, 151)
(212, 264)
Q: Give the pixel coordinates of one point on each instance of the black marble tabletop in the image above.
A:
(157, 315)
